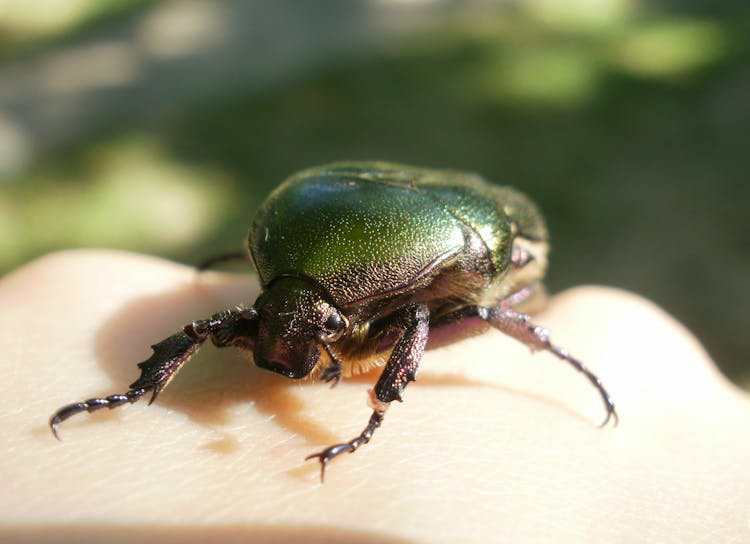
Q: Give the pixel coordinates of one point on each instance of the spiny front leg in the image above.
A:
(401, 369)
(520, 327)
(229, 328)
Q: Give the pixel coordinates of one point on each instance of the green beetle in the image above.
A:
(364, 264)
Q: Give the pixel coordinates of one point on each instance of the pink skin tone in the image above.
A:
(491, 444)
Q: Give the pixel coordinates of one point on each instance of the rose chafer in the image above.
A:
(366, 264)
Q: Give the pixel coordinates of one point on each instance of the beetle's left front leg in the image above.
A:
(413, 321)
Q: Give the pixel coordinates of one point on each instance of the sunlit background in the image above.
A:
(159, 126)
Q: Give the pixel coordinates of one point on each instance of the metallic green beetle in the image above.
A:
(363, 263)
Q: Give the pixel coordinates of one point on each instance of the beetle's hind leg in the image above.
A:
(401, 368)
(235, 327)
(220, 259)
(521, 327)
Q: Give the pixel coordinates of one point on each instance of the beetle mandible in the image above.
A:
(361, 263)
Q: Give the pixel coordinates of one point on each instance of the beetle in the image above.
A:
(360, 264)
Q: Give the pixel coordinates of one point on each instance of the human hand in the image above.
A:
(491, 444)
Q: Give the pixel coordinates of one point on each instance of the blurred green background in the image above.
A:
(159, 126)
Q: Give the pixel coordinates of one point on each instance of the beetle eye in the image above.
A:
(335, 326)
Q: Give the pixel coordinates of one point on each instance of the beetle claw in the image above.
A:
(329, 453)
(611, 414)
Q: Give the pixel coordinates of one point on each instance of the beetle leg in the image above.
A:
(221, 258)
(520, 327)
(229, 328)
(400, 369)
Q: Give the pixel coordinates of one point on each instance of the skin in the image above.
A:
(492, 444)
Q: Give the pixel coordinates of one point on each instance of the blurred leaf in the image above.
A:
(670, 47)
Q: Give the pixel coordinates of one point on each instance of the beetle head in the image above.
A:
(295, 322)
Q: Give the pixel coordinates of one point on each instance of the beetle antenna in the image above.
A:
(331, 373)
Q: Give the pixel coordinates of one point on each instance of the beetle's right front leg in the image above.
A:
(413, 324)
(236, 327)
